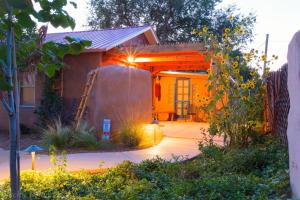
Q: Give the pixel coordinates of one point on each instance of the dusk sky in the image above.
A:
(281, 19)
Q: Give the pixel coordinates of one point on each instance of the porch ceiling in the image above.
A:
(162, 57)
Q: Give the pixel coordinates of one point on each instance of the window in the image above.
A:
(27, 90)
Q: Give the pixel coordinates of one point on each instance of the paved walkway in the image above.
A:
(166, 149)
(191, 130)
(181, 140)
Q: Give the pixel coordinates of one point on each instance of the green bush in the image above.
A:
(57, 135)
(62, 137)
(84, 136)
(131, 135)
(256, 172)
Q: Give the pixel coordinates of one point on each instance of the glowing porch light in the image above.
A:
(130, 59)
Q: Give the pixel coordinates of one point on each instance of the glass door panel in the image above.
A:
(182, 102)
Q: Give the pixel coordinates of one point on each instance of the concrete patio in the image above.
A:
(188, 130)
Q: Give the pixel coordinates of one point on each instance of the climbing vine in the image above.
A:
(51, 105)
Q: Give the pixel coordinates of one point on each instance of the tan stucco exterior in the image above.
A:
(74, 77)
(122, 95)
(27, 115)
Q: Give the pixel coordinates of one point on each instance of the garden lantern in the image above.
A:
(32, 149)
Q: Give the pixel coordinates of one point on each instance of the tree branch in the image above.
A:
(3, 67)
(6, 106)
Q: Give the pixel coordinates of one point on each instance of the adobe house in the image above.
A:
(161, 78)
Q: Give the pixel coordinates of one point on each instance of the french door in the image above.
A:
(182, 97)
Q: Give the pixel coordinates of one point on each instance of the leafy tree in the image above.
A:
(172, 20)
(21, 49)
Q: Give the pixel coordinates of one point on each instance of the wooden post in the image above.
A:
(266, 53)
(32, 160)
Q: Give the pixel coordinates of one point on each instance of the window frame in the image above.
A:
(21, 85)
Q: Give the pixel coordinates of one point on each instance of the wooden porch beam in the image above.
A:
(185, 58)
(175, 47)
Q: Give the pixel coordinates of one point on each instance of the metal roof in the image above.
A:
(105, 39)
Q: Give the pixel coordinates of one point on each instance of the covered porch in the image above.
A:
(179, 76)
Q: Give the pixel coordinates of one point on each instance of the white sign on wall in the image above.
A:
(106, 129)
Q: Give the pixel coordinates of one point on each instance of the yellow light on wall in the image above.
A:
(149, 128)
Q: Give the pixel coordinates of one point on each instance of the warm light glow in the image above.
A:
(32, 160)
(142, 59)
(149, 128)
(130, 59)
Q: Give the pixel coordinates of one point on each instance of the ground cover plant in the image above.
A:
(60, 136)
(139, 136)
(259, 171)
(84, 137)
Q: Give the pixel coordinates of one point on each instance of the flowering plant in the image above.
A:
(236, 104)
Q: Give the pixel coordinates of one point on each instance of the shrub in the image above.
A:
(131, 135)
(62, 137)
(236, 106)
(51, 105)
(256, 172)
(57, 135)
(25, 130)
(84, 136)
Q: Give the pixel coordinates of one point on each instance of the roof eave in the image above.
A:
(155, 36)
(94, 50)
(133, 36)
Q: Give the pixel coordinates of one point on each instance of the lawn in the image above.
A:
(257, 172)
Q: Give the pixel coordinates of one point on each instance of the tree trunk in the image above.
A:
(17, 106)
(12, 116)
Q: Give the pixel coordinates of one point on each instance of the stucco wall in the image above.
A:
(121, 94)
(293, 129)
(75, 75)
(27, 116)
(74, 81)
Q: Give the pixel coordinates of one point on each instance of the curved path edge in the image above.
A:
(169, 148)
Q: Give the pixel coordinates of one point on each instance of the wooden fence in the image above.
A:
(277, 103)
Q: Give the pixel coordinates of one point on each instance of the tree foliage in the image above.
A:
(48, 57)
(172, 20)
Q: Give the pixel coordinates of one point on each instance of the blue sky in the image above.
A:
(279, 18)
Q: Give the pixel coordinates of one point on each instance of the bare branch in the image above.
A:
(3, 66)
(6, 106)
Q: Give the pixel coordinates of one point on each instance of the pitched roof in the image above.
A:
(105, 39)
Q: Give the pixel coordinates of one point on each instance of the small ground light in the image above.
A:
(32, 149)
